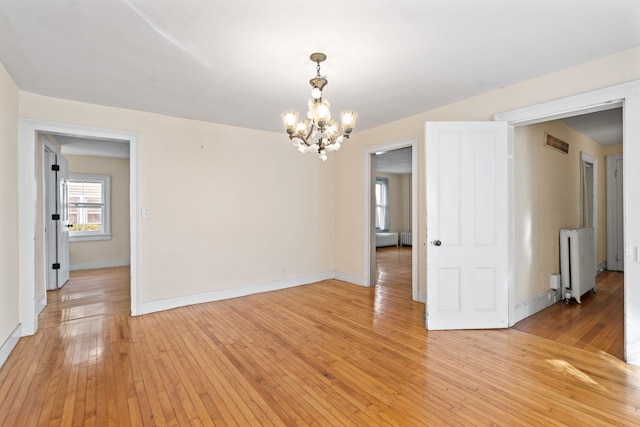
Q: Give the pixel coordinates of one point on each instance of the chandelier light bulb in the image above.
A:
(290, 120)
(319, 133)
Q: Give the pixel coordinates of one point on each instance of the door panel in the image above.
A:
(63, 229)
(619, 214)
(615, 220)
(50, 223)
(467, 217)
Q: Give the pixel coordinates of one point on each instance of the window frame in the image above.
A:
(105, 233)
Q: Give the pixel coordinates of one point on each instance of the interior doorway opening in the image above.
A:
(31, 231)
(392, 217)
(391, 169)
(556, 190)
(85, 195)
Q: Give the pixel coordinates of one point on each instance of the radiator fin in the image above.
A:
(577, 262)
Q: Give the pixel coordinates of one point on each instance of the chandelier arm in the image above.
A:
(311, 128)
(301, 138)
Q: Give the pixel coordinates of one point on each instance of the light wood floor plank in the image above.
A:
(328, 353)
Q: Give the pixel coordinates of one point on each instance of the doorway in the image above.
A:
(410, 147)
(627, 96)
(392, 218)
(558, 189)
(30, 246)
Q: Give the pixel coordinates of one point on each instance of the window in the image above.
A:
(89, 201)
(382, 204)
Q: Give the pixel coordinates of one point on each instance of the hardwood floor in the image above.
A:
(596, 325)
(88, 294)
(328, 353)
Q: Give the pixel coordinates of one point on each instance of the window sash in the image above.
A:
(82, 206)
(382, 219)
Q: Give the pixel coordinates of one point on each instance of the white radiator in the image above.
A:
(405, 239)
(577, 262)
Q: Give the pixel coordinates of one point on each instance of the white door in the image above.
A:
(51, 203)
(467, 225)
(615, 220)
(63, 223)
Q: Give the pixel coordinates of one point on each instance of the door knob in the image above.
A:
(436, 243)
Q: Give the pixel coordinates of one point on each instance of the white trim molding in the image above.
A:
(9, 344)
(222, 294)
(534, 305)
(41, 304)
(349, 278)
(100, 264)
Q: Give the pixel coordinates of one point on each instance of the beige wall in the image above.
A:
(116, 250)
(229, 206)
(9, 290)
(603, 72)
(612, 149)
(547, 199)
(399, 201)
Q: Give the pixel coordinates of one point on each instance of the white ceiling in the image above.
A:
(394, 161)
(243, 62)
(604, 127)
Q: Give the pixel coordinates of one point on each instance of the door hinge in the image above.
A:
(56, 266)
(55, 167)
(616, 175)
(55, 217)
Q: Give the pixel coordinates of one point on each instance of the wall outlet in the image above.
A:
(145, 213)
(554, 281)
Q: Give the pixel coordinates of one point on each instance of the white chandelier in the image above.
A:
(319, 133)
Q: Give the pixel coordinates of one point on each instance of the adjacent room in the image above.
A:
(553, 183)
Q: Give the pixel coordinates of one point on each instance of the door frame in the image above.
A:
(368, 243)
(628, 96)
(29, 129)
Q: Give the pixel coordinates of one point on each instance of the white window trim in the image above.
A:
(105, 234)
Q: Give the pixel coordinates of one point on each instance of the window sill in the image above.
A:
(90, 238)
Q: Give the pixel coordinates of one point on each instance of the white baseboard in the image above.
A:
(601, 268)
(349, 278)
(100, 264)
(9, 344)
(169, 303)
(422, 297)
(536, 304)
(41, 304)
